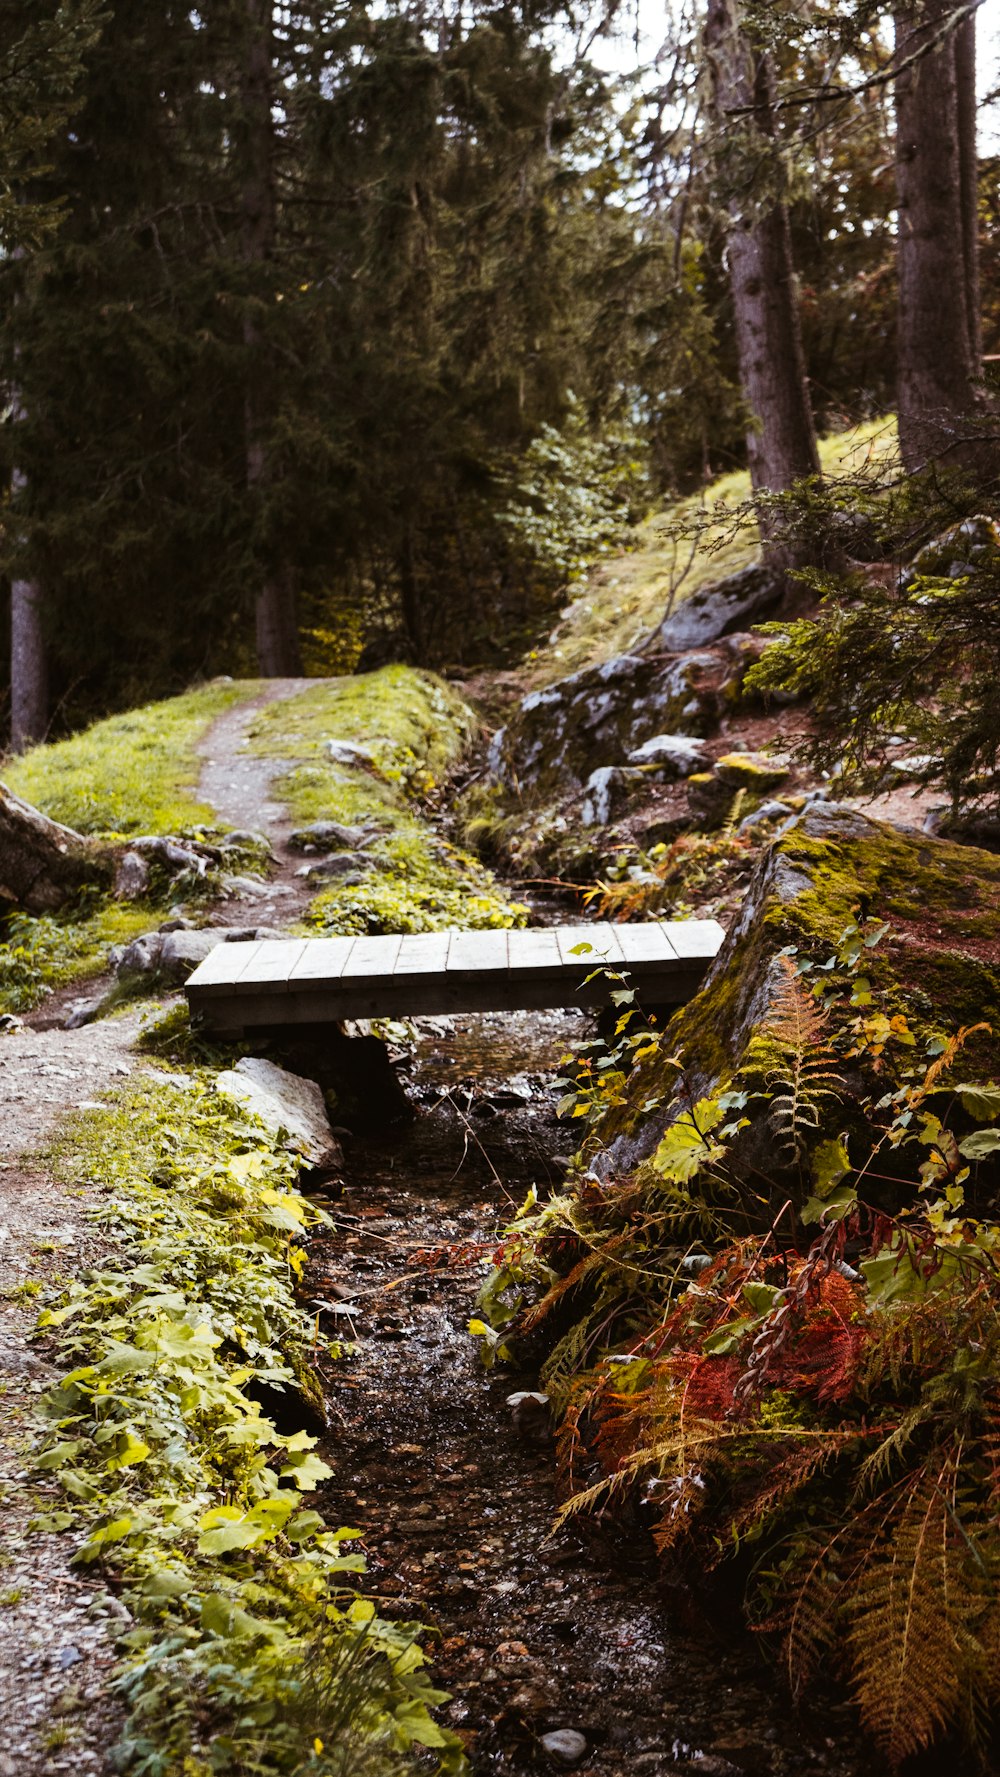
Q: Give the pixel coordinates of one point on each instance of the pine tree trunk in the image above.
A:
(968, 155)
(29, 690)
(278, 653)
(937, 253)
(781, 444)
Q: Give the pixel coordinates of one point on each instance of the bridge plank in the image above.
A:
(605, 948)
(270, 964)
(424, 953)
(287, 982)
(649, 943)
(322, 960)
(223, 966)
(477, 953)
(535, 953)
(693, 939)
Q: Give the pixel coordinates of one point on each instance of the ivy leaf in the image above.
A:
(830, 1163)
(306, 1471)
(114, 1532)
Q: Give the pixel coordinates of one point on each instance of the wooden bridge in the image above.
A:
(294, 981)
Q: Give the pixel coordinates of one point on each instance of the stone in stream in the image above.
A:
(284, 1103)
(565, 1746)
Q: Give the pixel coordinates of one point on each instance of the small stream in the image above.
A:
(537, 1634)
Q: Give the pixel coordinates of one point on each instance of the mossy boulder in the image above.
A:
(751, 771)
(601, 718)
(937, 965)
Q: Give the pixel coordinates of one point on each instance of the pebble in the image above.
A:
(566, 1746)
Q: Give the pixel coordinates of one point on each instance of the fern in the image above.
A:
(809, 1075)
(902, 1638)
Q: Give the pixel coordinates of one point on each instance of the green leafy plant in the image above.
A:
(251, 1648)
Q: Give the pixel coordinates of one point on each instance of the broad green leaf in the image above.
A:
(980, 1144)
(981, 1102)
(830, 1163)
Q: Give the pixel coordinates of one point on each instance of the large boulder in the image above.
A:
(721, 607)
(287, 1104)
(830, 867)
(603, 715)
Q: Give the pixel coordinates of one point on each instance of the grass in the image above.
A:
(37, 956)
(133, 773)
(415, 728)
(627, 596)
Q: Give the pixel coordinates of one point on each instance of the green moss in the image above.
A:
(627, 595)
(738, 771)
(39, 955)
(414, 727)
(132, 773)
(409, 720)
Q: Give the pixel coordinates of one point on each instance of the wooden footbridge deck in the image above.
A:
(294, 981)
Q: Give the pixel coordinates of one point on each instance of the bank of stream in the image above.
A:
(539, 1634)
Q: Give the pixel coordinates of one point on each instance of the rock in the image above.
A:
(596, 718)
(608, 792)
(346, 752)
(751, 771)
(678, 754)
(768, 811)
(141, 957)
(131, 876)
(722, 606)
(181, 952)
(284, 1103)
(9, 1023)
(246, 839)
(245, 888)
(85, 1012)
(178, 922)
(529, 1412)
(919, 766)
(962, 549)
(342, 863)
(329, 836)
(565, 1746)
(709, 799)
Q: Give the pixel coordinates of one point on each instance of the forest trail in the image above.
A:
(533, 1635)
(237, 783)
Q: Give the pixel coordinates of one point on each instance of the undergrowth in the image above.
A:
(251, 1651)
(39, 955)
(777, 1343)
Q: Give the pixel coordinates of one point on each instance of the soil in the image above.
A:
(538, 1631)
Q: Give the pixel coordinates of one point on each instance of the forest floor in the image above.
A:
(534, 1634)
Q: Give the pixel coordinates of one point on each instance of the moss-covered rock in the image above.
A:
(938, 963)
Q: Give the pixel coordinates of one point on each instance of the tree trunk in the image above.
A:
(968, 157)
(29, 688)
(42, 864)
(937, 251)
(781, 443)
(278, 653)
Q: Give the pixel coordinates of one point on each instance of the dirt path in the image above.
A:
(237, 784)
(539, 1635)
(55, 1649)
